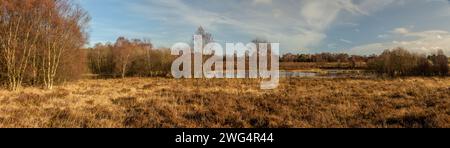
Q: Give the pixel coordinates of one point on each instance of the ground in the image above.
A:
(298, 102)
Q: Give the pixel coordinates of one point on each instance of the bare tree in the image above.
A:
(122, 56)
(100, 59)
(441, 62)
(206, 36)
(64, 31)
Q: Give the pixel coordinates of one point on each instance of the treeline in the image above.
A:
(41, 42)
(134, 58)
(324, 57)
(401, 62)
(129, 58)
(326, 60)
(395, 62)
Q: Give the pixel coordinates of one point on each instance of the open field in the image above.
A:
(160, 102)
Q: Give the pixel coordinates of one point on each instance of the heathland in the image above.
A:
(298, 102)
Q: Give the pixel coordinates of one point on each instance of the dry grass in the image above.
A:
(159, 102)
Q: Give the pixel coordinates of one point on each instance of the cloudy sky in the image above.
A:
(300, 26)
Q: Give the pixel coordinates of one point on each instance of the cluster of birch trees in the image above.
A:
(401, 62)
(134, 57)
(40, 41)
(129, 57)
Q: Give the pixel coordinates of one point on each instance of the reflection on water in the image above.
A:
(330, 73)
(290, 74)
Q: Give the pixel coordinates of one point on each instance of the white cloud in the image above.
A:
(262, 1)
(319, 14)
(400, 31)
(346, 41)
(426, 42)
(370, 6)
(382, 36)
(176, 11)
(277, 13)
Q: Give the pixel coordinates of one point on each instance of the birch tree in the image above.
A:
(19, 33)
(64, 29)
(34, 34)
(122, 56)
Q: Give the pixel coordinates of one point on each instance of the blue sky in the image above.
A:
(300, 26)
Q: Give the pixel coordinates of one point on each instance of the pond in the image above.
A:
(322, 73)
(331, 73)
(292, 74)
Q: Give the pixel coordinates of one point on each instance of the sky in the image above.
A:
(300, 26)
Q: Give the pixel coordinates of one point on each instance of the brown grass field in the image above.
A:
(160, 102)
